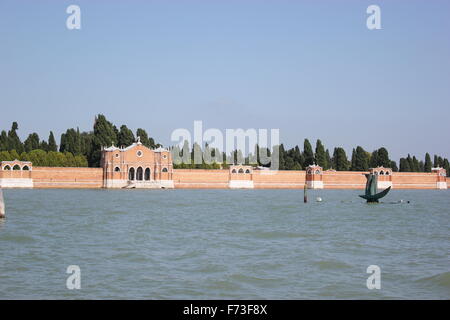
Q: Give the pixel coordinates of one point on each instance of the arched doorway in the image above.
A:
(131, 174)
(147, 174)
(139, 174)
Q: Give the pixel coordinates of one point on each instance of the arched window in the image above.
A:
(233, 171)
(26, 168)
(241, 170)
(7, 167)
(164, 170)
(131, 174)
(247, 171)
(381, 173)
(309, 171)
(16, 167)
(139, 174)
(117, 169)
(147, 174)
(317, 171)
(387, 173)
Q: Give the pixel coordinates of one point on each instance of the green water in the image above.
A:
(223, 244)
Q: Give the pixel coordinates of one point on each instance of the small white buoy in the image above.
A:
(2, 205)
(319, 199)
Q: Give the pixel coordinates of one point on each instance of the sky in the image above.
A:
(311, 69)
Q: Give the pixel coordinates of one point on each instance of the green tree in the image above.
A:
(427, 166)
(329, 162)
(71, 141)
(361, 161)
(394, 166)
(51, 143)
(105, 135)
(145, 139)
(404, 165)
(320, 155)
(14, 142)
(340, 161)
(4, 143)
(308, 153)
(5, 156)
(383, 158)
(435, 162)
(32, 142)
(126, 136)
(447, 167)
(373, 161)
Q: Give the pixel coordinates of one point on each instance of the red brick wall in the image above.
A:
(344, 180)
(282, 179)
(414, 180)
(59, 177)
(200, 179)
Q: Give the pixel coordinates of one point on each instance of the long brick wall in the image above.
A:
(291, 179)
(414, 180)
(344, 180)
(59, 177)
(200, 179)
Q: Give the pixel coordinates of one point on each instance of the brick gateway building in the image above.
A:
(137, 166)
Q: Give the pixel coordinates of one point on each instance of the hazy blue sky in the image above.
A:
(310, 68)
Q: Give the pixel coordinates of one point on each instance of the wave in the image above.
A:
(441, 279)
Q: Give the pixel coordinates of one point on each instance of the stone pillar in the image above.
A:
(314, 178)
(384, 177)
(441, 177)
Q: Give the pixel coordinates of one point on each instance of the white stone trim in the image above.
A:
(16, 183)
(384, 184)
(241, 184)
(441, 185)
(314, 184)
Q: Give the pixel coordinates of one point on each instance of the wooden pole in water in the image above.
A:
(2, 205)
(305, 195)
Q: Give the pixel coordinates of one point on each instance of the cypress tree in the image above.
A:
(308, 154)
(394, 166)
(447, 167)
(146, 141)
(415, 166)
(373, 162)
(43, 145)
(105, 135)
(3, 141)
(340, 161)
(427, 166)
(353, 161)
(14, 142)
(32, 142)
(383, 158)
(51, 143)
(126, 136)
(361, 162)
(320, 155)
(329, 162)
(404, 165)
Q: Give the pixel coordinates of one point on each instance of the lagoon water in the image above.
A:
(224, 244)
